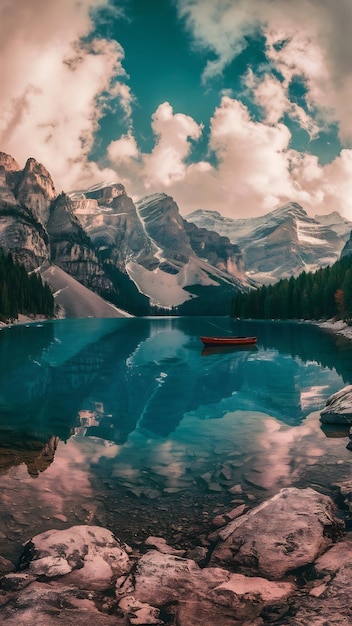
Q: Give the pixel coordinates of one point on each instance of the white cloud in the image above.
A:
(219, 25)
(255, 171)
(165, 164)
(55, 89)
(306, 38)
(54, 86)
(123, 149)
(272, 96)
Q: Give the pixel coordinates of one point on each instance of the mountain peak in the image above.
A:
(8, 162)
(36, 189)
(292, 208)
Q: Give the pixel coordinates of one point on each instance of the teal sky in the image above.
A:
(237, 106)
(163, 64)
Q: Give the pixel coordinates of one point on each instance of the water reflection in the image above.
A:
(102, 411)
(108, 378)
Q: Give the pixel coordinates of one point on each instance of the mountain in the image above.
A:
(143, 258)
(38, 227)
(20, 232)
(281, 243)
(175, 265)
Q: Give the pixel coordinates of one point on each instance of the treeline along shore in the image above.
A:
(323, 294)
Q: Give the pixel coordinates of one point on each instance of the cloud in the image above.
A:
(56, 85)
(57, 82)
(253, 171)
(272, 96)
(165, 165)
(305, 38)
(220, 26)
(123, 149)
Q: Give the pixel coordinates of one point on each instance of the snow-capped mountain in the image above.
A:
(144, 259)
(173, 264)
(281, 243)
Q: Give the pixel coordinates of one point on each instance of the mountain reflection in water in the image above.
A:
(88, 406)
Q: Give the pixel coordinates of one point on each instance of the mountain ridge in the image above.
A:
(282, 243)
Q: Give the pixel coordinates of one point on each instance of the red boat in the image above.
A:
(228, 341)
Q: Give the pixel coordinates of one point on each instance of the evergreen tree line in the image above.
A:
(21, 292)
(323, 294)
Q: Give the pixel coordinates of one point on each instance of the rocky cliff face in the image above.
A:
(181, 240)
(71, 248)
(39, 227)
(35, 190)
(20, 232)
(164, 224)
(110, 219)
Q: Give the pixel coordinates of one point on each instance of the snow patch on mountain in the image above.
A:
(167, 290)
(310, 233)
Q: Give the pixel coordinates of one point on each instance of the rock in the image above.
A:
(345, 488)
(6, 566)
(198, 554)
(36, 190)
(44, 603)
(288, 531)
(236, 489)
(328, 601)
(221, 520)
(17, 580)
(160, 544)
(338, 408)
(199, 597)
(139, 612)
(86, 556)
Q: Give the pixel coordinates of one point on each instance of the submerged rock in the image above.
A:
(286, 532)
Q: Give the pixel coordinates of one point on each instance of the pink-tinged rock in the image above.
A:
(160, 544)
(221, 520)
(51, 604)
(329, 599)
(87, 556)
(139, 613)
(288, 531)
(240, 586)
(338, 409)
(199, 597)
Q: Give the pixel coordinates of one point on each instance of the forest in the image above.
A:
(324, 294)
(21, 292)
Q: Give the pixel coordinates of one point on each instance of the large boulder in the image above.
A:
(288, 531)
(338, 408)
(88, 557)
(178, 587)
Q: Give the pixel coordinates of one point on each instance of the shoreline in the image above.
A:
(338, 327)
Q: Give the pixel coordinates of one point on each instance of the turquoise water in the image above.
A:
(128, 423)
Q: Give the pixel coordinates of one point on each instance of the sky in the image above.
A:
(236, 106)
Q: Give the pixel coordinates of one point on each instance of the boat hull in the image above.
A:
(228, 341)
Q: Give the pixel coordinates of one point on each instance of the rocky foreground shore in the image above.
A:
(287, 561)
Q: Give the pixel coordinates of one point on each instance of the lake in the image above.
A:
(130, 424)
